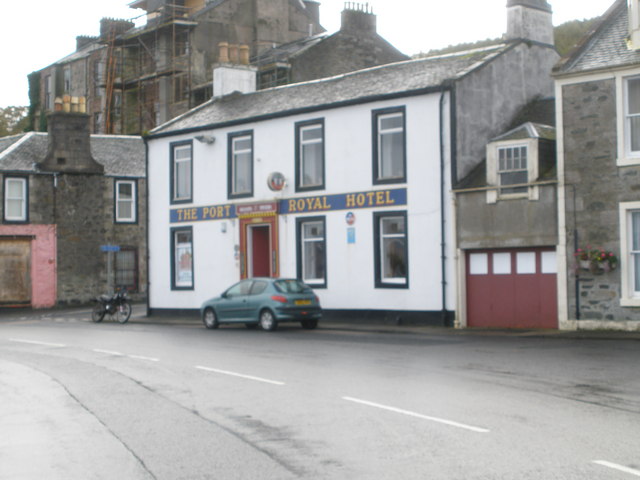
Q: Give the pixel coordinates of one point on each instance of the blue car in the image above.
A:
(264, 302)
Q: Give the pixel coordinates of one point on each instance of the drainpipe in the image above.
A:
(443, 239)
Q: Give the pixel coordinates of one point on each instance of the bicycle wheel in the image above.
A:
(97, 314)
(123, 312)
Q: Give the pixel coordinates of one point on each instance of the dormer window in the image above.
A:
(518, 160)
(512, 169)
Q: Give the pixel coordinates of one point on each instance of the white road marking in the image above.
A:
(108, 352)
(140, 357)
(620, 468)
(233, 374)
(417, 415)
(35, 342)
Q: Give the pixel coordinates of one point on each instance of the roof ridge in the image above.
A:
(15, 145)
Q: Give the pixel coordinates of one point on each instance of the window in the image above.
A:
(389, 146)
(632, 116)
(182, 261)
(391, 252)
(67, 79)
(15, 199)
(125, 193)
(126, 268)
(48, 98)
(629, 216)
(512, 169)
(310, 155)
(181, 172)
(312, 251)
(240, 180)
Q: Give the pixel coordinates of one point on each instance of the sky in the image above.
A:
(38, 33)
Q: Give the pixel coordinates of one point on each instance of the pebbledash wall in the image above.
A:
(348, 205)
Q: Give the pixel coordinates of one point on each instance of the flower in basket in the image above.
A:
(596, 259)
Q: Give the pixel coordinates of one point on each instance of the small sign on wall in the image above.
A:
(351, 235)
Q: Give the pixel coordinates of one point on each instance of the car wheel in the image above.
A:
(251, 326)
(210, 319)
(309, 324)
(267, 321)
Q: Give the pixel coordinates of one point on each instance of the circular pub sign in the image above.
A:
(276, 181)
(350, 218)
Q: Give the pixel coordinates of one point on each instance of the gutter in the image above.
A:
(443, 239)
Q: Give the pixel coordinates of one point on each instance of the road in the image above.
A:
(150, 400)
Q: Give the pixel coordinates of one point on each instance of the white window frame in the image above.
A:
(23, 199)
(629, 297)
(302, 143)
(493, 172)
(234, 154)
(182, 277)
(120, 201)
(176, 164)
(304, 241)
(380, 116)
(382, 279)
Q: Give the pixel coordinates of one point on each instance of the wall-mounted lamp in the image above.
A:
(208, 139)
(223, 227)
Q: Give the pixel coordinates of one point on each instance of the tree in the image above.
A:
(13, 120)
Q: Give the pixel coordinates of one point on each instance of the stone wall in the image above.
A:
(82, 208)
(599, 185)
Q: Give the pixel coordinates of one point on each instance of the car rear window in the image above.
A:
(291, 286)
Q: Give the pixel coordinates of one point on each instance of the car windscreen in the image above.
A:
(291, 286)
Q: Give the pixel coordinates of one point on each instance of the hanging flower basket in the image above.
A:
(595, 260)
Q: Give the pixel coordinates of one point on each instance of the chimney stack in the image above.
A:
(69, 149)
(530, 20)
(358, 19)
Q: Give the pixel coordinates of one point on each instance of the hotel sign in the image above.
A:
(394, 197)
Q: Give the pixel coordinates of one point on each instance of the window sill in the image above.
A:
(630, 302)
(628, 161)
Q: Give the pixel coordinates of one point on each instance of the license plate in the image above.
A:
(303, 302)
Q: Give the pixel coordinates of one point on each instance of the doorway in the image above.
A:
(258, 250)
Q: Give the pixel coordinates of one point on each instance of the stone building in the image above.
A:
(73, 216)
(135, 78)
(598, 103)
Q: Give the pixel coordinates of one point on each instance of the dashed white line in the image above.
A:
(35, 342)
(140, 357)
(417, 415)
(620, 468)
(108, 352)
(240, 375)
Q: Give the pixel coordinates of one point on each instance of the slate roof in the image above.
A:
(528, 130)
(396, 79)
(122, 156)
(282, 53)
(604, 47)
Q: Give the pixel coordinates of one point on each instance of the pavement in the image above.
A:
(330, 322)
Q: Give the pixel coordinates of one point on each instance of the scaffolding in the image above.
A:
(148, 72)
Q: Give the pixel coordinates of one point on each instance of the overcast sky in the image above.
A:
(36, 34)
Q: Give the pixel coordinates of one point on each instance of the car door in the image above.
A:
(233, 303)
(256, 298)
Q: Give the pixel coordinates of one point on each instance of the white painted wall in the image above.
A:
(348, 163)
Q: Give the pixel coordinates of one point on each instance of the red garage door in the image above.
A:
(512, 288)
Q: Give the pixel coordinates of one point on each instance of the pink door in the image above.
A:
(512, 289)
